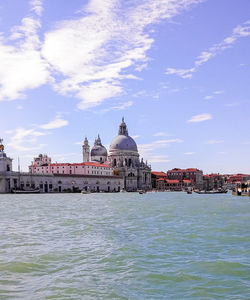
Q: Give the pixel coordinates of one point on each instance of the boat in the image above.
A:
(31, 191)
(85, 192)
(142, 192)
(211, 192)
(189, 192)
(242, 189)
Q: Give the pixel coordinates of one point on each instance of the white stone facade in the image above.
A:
(124, 157)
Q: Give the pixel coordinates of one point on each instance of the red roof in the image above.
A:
(159, 174)
(187, 181)
(172, 181)
(184, 170)
(161, 179)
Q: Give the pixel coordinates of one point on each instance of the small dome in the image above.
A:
(123, 142)
(98, 149)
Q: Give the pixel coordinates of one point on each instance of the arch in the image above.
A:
(130, 162)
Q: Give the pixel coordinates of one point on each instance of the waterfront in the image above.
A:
(124, 246)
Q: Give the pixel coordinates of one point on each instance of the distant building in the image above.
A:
(213, 182)
(156, 177)
(192, 174)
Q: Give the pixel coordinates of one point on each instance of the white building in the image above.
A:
(99, 171)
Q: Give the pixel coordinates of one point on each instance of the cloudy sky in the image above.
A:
(177, 70)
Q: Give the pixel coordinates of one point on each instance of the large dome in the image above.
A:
(123, 141)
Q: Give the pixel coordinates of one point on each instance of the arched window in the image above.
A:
(126, 162)
(129, 162)
(115, 162)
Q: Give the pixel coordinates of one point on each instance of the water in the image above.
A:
(124, 246)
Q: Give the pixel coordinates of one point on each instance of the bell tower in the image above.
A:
(85, 150)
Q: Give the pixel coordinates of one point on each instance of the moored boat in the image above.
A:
(31, 191)
(211, 192)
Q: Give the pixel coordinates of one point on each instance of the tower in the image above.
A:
(5, 162)
(85, 150)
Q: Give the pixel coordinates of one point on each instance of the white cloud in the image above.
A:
(21, 64)
(238, 32)
(219, 92)
(96, 52)
(212, 142)
(161, 133)
(119, 106)
(208, 97)
(88, 57)
(23, 137)
(189, 153)
(135, 136)
(54, 124)
(158, 159)
(149, 151)
(200, 118)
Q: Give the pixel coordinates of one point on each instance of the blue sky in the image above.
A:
(177, 70)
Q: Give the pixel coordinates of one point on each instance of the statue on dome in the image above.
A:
(1, 145)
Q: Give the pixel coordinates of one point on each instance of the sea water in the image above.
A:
(124, 246)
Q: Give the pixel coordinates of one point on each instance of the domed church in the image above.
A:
(124, 157)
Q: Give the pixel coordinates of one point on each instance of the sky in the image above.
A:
(178, 71)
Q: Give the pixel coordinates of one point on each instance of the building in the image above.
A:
(213, 182)
(99, 171)
(124, 158)
(157, 179)
(192, 174)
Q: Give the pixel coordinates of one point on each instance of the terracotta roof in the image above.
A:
(187, 181)
(172, 181)
(184, 170)
(159, 174)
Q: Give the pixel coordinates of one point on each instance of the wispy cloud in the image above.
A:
(87, 58)
(200, 118)
(135, 136)
(119, 106)
(21, 64)
(149, 151)
(159, 159)
(58, 122)
(214, 94)
(238, 32)
(22, 137)
(161, 133)
(208, 97)
(189, 153)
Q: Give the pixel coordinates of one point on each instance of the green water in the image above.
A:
(124, 246)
